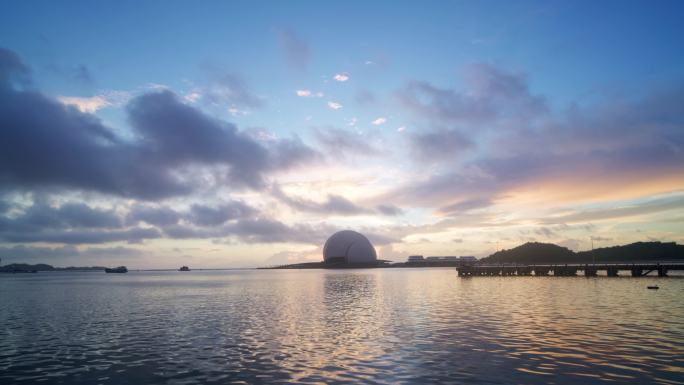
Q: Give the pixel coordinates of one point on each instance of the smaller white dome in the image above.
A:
(349, 247)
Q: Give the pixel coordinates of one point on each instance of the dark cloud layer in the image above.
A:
(72, 215)
(153, 215)
(22, 253)
(45, 144)
(131, 235)
(76, 223)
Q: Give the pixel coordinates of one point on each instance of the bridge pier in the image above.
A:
(662, 272)
(590, 271)
(636, 272)
(612, 272)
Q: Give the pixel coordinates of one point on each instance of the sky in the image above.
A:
(155, 134)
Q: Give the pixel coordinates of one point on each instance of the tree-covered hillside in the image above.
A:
(535, 252)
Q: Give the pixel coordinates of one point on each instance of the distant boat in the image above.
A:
(652, 287)
(184, 268)
(120, 269)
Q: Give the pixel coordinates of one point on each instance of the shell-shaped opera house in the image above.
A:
(349, 247)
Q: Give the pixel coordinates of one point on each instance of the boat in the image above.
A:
(120, 269)
(652, 287)
(184, 268)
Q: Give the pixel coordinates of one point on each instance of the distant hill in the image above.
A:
(25, 267)
(531, 252)
(536, 252)
(19, 267)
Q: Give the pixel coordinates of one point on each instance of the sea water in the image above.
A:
(376, 326)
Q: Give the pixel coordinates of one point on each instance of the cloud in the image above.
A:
(153, 215)
(45, 144)
(341, 142)
(290, 257)
(89, 105)
(178, 134)
(131, 235)
(13, 71)
(45, 254)
(439, 144)
(545, 232)
(22, 253)
(334, 204)
(192, 97)
(82, 74)
(230, 90)
(364, 97)
(92, 104)
(296, 50)
(74, 74)
(631, 147)
(213, 216)
(255, 230)
(334, 105)
(465, 206)
(379, 121)
(309, 94)
(342, 77)
(389, 210)
(39, 217)
(291, 152)
(645, 208)
(492, 95)
(198, 214)
(601, 239)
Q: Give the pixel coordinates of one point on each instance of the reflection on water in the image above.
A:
(314, 326)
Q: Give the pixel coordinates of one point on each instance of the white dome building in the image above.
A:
(349, 247)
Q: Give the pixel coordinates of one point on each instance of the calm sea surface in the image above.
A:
(384, 326)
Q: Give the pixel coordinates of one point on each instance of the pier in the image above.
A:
(570, 270)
